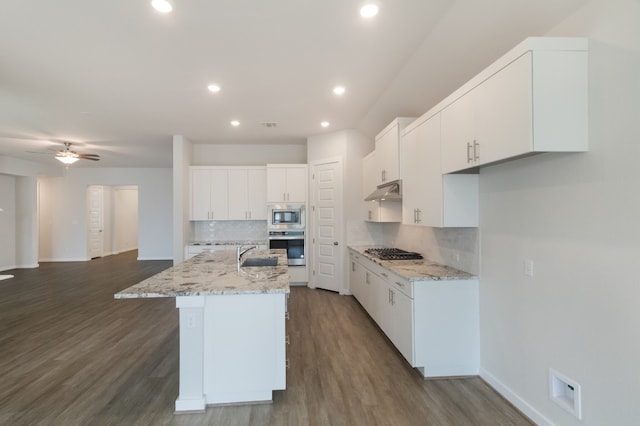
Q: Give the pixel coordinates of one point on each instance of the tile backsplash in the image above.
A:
(455, 247)
(229, 230)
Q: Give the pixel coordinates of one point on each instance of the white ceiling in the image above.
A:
(119, 79)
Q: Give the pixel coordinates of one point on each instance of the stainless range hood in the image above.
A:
(387, 191)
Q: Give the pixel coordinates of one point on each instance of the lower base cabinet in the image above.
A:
(434, 324)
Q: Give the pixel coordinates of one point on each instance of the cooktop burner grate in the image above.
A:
(392, 253)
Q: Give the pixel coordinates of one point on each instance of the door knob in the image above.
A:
(335, 243)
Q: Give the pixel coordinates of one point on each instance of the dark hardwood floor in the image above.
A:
(72, 355)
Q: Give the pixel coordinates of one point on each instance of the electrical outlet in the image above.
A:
(528, 267)
(566, 393)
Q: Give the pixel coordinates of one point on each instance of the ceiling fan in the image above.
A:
(67, 156)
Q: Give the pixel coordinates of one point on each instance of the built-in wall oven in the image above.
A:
(292, 241)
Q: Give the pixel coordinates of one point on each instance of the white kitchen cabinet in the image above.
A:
(377, 211)
(387, 166)
(430, 198)
(370, 174)
(433, 323)
(209, 194)
(287, 183)
(247, 194)
(533, 99)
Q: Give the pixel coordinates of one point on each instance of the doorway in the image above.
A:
(112, 219)
(327, 240)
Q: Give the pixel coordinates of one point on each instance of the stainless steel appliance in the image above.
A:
(286, 216)
(292, 241)
(392, 253)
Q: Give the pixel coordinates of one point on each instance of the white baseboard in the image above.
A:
(7, 268)
(515, 399)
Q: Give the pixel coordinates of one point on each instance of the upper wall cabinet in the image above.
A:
(287, 183)
(228, 193)
(387, 164)
(429, 197)
(248, 193)
(209, 194)
(533, 99)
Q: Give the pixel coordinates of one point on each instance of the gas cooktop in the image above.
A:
(392, 253)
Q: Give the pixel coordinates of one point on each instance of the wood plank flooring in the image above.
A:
(72, 355)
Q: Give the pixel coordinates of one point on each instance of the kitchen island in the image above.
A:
(232, 326)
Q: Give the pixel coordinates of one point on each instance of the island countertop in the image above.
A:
(215, 273)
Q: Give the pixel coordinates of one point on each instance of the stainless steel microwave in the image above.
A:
(286, 216)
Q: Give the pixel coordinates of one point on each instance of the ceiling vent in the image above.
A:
(269, 124)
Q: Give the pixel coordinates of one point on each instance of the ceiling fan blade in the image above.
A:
(92, 157)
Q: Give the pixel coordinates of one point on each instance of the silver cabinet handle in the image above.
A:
(418, 219)
(469, 158)
(353, 266)
(366, 277)
(476, 150)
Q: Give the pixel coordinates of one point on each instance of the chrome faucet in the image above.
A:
(241, 252)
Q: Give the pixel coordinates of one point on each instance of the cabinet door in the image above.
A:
(357, 279)
(200, 194)
(387, 151)
(238, 194)
(296, 187)
(219, 195)
(458, 134)
(257, 179)
(422, 183)
(401, 333)
(370, 174)
(503, 111)
(276, 184)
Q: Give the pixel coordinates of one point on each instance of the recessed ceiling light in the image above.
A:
(369, 10)
(325, 124)
(162, 6)
(235, 123)
(214, 88)
(339, 90)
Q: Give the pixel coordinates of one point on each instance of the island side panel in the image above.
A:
(244, 347)
(191, 389)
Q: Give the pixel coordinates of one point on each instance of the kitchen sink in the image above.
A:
(260, 261)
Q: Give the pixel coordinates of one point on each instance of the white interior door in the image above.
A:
(95, 219)
(327, 240)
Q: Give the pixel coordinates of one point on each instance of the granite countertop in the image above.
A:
(417, 270)
(215, 273)
(228, 243)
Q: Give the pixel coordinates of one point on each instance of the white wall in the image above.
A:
(7, 222)
(63, 224)
(577, 217)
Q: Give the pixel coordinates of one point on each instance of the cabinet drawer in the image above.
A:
(401, 284)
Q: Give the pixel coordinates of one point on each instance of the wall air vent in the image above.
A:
(269, 124)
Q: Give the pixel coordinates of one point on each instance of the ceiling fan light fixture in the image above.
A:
(67, 159)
